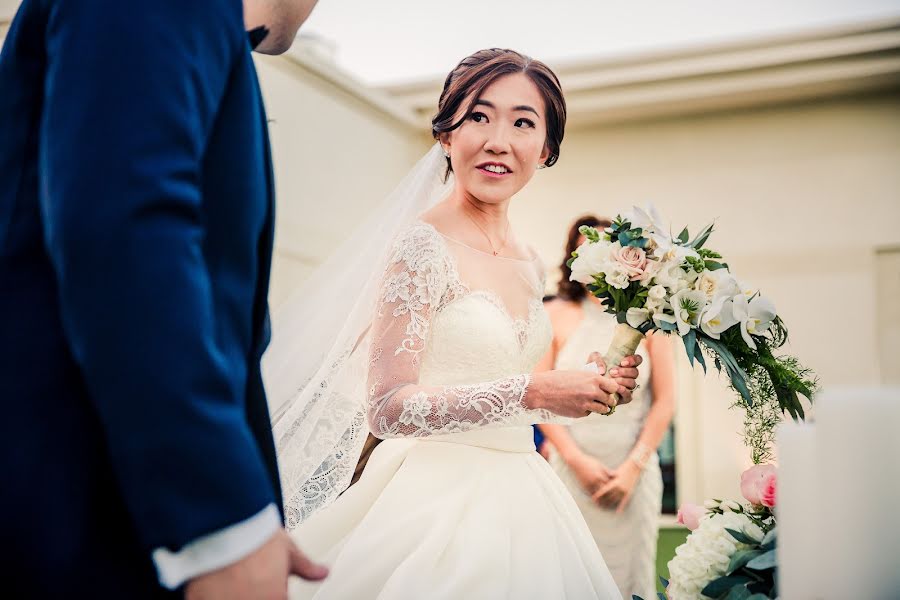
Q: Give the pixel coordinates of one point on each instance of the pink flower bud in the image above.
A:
(689, 515)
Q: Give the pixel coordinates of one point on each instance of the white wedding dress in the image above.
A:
(455, 503)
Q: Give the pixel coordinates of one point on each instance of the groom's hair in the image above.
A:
(573, 290)
(476, 72)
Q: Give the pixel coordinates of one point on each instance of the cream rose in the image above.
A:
(633, 261)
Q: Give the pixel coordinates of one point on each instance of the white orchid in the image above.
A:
(745, 289)
(717, 317)
(688, 304)
(653, 225)
(754, 315)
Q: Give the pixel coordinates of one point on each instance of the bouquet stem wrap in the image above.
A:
(625, 342)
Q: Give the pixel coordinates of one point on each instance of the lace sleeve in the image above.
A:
(418, 279)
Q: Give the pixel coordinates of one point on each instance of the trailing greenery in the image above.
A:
(773, 386)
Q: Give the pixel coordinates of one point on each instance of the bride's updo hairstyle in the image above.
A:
(476, 72)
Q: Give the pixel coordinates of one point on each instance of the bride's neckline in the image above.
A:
(476, 250)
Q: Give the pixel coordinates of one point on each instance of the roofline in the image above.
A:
(825, 62)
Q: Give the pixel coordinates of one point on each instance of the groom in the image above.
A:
(135, 241)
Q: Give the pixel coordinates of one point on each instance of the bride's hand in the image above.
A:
(571, 393)
(625, 374)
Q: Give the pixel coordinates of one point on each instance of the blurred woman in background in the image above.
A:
(609, 463)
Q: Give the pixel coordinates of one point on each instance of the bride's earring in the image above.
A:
(446, 154)
(541, 166)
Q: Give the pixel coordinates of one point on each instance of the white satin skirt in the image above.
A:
(474, 515)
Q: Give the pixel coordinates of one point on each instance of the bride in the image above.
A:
(422, 332)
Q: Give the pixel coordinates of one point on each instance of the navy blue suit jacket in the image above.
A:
(135, 242)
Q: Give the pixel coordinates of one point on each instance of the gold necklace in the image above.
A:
(496, 251)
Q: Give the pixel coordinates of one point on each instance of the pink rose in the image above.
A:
(633, 261)
(689, 515)
(754, 480)
(767, 497)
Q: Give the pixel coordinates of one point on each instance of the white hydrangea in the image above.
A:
(706, 553)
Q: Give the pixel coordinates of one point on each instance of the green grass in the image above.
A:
(669, 539)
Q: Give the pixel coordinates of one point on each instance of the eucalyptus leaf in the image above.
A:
(761, 563)
(684, 236)
(741, 536)
(663, 581)
(666, 326)
(738, 592)
(717, 587)
(741, 558)
(768, 541)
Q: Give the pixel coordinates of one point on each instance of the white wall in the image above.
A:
(803, 195)
(335, 155)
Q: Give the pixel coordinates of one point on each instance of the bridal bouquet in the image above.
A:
(652, 280)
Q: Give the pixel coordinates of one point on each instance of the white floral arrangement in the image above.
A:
(655, 281)
(730, 553)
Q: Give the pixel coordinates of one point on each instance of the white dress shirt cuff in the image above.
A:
(216, 550)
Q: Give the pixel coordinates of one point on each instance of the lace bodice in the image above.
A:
(456, 334)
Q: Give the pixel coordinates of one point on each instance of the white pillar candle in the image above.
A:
(797, 511)
(858, 476)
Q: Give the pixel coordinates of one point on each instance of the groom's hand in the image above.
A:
(263, 574)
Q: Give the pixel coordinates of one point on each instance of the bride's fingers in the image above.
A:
(597, 358)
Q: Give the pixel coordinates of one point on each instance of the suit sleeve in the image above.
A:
(132, 90)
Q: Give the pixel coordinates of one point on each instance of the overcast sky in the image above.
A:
(381, 41)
